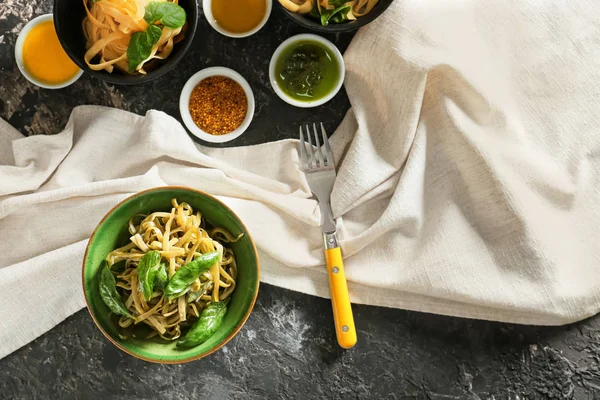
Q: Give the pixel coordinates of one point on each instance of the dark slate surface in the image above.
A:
(287, 349)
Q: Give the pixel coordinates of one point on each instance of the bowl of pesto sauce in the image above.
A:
(306, 70)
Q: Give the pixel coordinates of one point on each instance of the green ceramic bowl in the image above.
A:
(112, 232)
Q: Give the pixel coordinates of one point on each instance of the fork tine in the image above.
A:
(319, 150)
(302, 144)
(313, 162)
(330, 161)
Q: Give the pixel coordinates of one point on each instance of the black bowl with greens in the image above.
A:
(68, 17)
(335, 22)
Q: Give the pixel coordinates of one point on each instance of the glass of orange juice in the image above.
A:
(41, 58)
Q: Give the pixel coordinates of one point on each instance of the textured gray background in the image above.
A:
(287, 349)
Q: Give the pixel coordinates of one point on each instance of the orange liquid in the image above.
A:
(239, 16)
(44, 57)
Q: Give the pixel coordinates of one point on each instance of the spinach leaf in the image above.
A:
(147, 272)
(169, 14)
(109, 294)
(337, 15)
(162, 277)
(141, 44)
(182, 280)
(209, 322)
(338, 3)
(193, 296)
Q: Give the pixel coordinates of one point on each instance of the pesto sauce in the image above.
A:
(307, 71)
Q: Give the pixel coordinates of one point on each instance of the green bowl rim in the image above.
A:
(198, 356)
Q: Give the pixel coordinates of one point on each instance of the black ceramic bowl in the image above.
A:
(316, 26)
(68, 16)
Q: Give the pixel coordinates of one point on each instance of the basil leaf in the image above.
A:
(162, 277)
(182, 280)
(209, 322)
(118, 267)
(147, 272)
(109, 294)
(152, 13)
(193, 296)
(338, 3)
(141, 44)
(336, 15)
(169, 14)
(341, 15)
(314, 13)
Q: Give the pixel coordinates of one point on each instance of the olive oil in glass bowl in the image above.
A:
(307, 70)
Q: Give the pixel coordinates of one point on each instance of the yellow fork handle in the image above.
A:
(340, 300)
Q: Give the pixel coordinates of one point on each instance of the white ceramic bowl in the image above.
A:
(299, 38)
(19, 55)
(207, 7)
(184, 103)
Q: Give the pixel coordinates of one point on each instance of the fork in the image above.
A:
(319, 168)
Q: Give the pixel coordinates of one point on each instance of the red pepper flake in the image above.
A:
(218, 105)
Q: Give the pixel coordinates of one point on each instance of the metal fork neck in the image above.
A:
(327, 222)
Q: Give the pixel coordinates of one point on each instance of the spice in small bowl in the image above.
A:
(217, 104)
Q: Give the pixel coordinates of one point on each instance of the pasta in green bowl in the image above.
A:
(170, 275)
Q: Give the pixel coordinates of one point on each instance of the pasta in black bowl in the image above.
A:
(125, 42)
(332, 16)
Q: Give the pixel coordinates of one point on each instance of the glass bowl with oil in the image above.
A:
(41, 58)
(307, 70)
(237, 18)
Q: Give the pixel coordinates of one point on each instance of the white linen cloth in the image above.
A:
(468, 183)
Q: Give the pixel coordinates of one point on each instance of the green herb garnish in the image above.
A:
(209, 322)
(337, 15)
(147, 273)
(108, 292)
(162, 277)
(169, 14)
(141, 44)
(182, 280)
